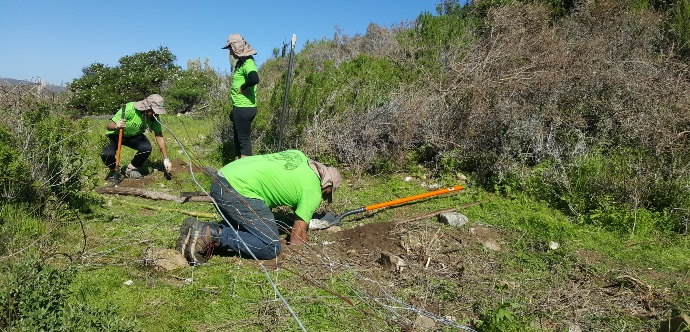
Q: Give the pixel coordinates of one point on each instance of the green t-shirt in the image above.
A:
(278, 179)
(137, 122)
(239, 77)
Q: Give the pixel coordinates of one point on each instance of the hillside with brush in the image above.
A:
(566, 124)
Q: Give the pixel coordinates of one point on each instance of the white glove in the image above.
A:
(167, 164)
(122, 123)
(318, 224)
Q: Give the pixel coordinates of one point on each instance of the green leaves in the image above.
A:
(101, 89)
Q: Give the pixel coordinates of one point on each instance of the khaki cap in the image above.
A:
(239, 46)
(154, 102)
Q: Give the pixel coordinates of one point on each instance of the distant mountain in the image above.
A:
(49, 87)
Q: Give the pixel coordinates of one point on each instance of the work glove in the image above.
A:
(122, 123)
(318, 224)
(323, 223)
(167, 164)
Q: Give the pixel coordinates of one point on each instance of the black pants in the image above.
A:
(242, 118)
(138, 142)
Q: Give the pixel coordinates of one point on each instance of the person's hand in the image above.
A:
(122, 123)
(167, 164)
(298, 235)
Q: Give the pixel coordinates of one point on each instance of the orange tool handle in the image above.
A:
(119, 148)
(339, 219)
(119, 141)
(412, 198)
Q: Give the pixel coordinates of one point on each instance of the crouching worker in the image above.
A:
(244, 192)
(138, 116)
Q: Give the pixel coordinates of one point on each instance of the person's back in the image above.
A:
(279, 179)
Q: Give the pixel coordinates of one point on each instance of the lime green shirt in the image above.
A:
(137, 122)
(239, 77)
(278, 179)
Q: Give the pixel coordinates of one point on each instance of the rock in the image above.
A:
(574, 328)
(554, 245)
(391, 262)
(492, 245)
(164, 259)
(424, 323)
(675, 324)
(455, 219)
(408, 179)
(333, 229)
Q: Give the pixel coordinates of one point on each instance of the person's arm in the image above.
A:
(252, 80)
(111, 125)
(298, 235)
(161, 144)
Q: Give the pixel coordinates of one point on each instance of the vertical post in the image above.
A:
(287, 90)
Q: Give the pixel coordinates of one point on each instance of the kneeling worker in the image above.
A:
(244, 191)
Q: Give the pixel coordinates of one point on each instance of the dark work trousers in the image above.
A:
(138, 142)
(253, 226)
(242, 118)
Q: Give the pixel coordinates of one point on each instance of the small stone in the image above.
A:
(391, 262)
(408, 178)
(455, 219)
(492, 245)
(554, 245)
(424, 323)
(128, 282)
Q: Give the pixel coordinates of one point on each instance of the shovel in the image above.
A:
(339, 219)
(118, 178)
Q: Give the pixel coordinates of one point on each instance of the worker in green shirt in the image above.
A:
(244, 191)
(242, 93)
(134, 120)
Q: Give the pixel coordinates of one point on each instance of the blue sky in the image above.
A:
(54, 40)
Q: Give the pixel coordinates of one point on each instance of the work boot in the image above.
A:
(133, 174)
(185, 234)
(201, 239)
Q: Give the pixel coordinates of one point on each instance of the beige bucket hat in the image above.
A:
(154, 102)
(329, 176)
(239, 46)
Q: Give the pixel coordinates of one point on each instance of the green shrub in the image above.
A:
(196, 87)
(35, 297)
(103, 89)
(15, 181)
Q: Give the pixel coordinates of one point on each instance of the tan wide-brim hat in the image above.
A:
(239, 46)
(154, 102)
(329, 176)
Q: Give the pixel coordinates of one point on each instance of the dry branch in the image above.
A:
(150, 194)
(187, 212)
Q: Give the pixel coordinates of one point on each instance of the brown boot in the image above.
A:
(198, 240)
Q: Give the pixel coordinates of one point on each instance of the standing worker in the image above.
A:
(138, 116)
(245, 191)
(242, 93)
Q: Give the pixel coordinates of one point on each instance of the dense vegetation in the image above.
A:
(583, 106)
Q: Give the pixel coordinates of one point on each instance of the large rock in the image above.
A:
(164, 259)
(455, 219)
